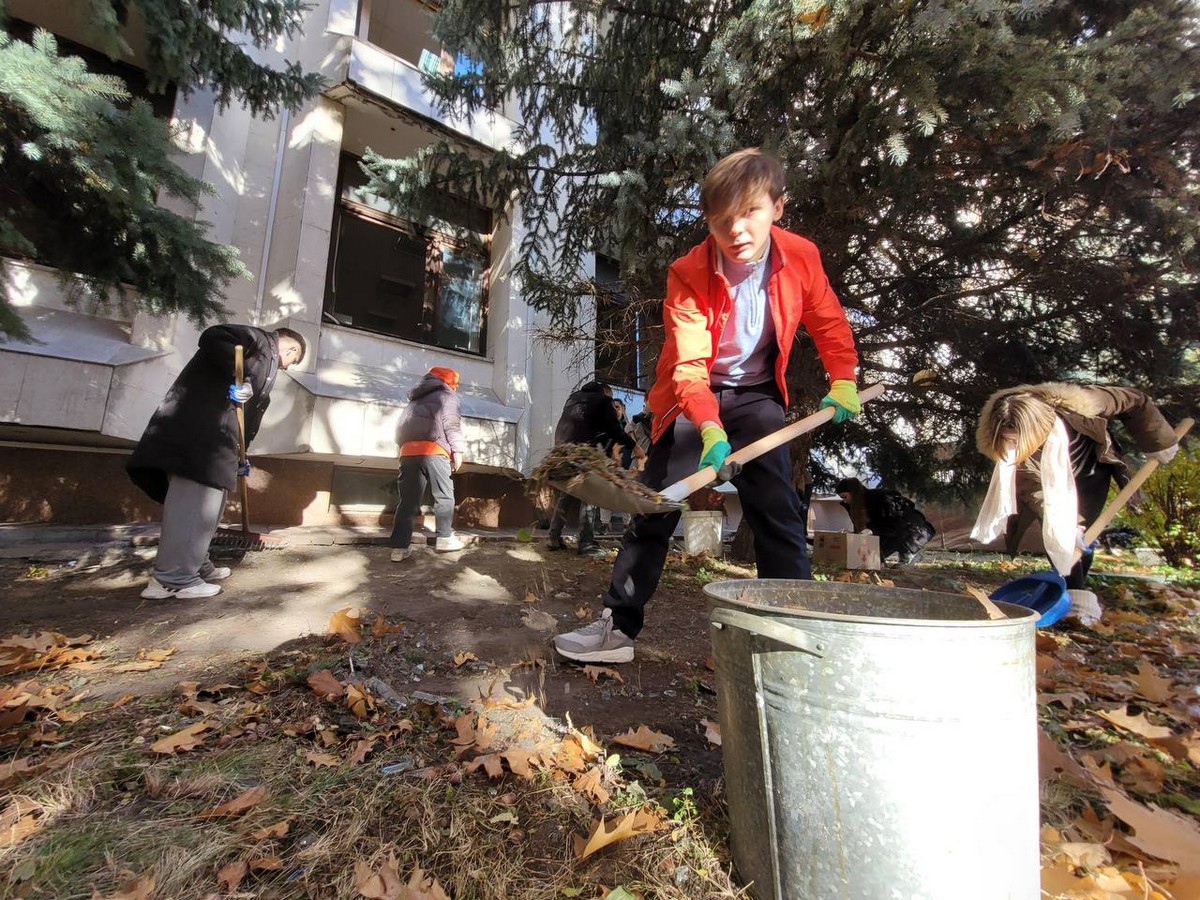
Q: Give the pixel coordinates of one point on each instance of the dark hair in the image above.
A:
(295, 336)
(857, 504)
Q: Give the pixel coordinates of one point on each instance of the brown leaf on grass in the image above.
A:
(1162, 834)
(631, 824)
(583, 613)
(321, 759)
(266, 864)
(198, 708)
(1137, 724)
(645, 739)
(141, 665)
(712, 732)
(589, 784)
(595, 673)
(1186, 746)
(422, 887)
(359, 701)
(464, 656)
(521, 761)
(1144, 775)
(186, 739)
(346, 623)
(569, 755)
(19, 819)
(231, 874)
(531, 597)
(156, 655)
(586, 740)
(124, 698)
(134, 887)
(381, 627)
(241, 803)
(1150, 684)
(361, 749)
(491, 763)
(325, 684)
(279, 829)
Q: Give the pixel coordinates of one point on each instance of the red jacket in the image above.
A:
(698, 305)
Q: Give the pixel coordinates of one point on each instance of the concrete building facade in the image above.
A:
(378, 300)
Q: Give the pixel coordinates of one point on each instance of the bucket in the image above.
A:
(877, 742)
(702, 532)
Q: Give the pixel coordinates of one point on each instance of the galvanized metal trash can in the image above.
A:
(879, 743)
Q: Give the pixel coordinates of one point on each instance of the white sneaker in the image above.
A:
(449, 544)
(400, 554)
(597, 641)
(219, 573)
(156, 591)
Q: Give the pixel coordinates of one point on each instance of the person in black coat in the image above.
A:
(588, 417)
(890, 515)
(187, 458)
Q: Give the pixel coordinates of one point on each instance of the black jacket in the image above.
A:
(589, 417)
(193, 432)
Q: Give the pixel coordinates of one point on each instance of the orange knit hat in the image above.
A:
(447, 375)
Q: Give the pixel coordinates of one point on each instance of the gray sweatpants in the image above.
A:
(191, 513)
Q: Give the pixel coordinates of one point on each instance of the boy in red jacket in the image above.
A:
(733, 306)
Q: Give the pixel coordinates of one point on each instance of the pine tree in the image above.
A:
(1003, 190)
(84, 164)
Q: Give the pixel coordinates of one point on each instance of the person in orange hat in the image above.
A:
(431, 450)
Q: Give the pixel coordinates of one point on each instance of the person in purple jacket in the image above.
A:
(431, 450)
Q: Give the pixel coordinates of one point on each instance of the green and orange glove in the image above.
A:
(843, 397)
(714, 447)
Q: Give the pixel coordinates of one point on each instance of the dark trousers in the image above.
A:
(415, 473)
(769, 503)
(567, 507)
(1091, 492)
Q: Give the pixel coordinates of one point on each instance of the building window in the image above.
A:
(627, 333)
(391, 276)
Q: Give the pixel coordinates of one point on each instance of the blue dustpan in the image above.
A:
(1043, 592)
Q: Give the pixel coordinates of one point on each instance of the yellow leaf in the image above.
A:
(589, 784)
(346, 624)
(231, 874)
(464, 657)
(595, 673)
(645, 739)
(712, 732)
(238, 805)
(1137, 724)
(629, 825)
(186, 739)
(324, 684)
(321, 759)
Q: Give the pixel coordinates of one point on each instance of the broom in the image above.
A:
(244, 539)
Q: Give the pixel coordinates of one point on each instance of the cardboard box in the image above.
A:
(847, 550)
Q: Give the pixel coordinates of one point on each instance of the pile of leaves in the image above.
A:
(565, 463)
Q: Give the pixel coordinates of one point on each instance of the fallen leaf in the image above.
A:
(125, 698)
(465, 656)
(321, 759)
(422, 887)
(712, 732)
(583, 612)
(538, 620)
(325, 684)
(135, 887)
(156, 655)
(361, 748)
(238, 805)
(144, 665)
(20, 818)
(279, 829)
(589, 784)
(231, 874)
(381, 627)
(595, 673)
(359, 701)
(1137, 724)
(1150, 684)
(491, 764)
(629, 825)
(531, 597)
(266, 864)
(520, 762)
(186, 739)
(346, 624)
(1158, 832)
(645, 739)
(382, 885)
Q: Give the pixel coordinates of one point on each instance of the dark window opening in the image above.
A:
(389, 276)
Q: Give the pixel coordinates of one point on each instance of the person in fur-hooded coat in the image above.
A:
(1018, 423)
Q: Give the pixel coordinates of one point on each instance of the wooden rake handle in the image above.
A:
(1119, 501)
(243, 492)
(685, 487)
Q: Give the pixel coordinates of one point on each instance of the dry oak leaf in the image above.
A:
(241, 803)
(381, 627)
(359, 701)
(231, 874)
(382, 885)
(266, 864)
(361, 749)
(589, 784)
(20, 819)
(1150, 684)
(1137, 724)
(186, 739)
(645, 739)
(321, 759)
(346, 623)
(279, 829)
(631, 824)
(135, 887)
(422, 887)
(595, 673)
(491, 763)
(324, 684)
(521, 762)
(712, 732)
(1162, 834)
(464, 656)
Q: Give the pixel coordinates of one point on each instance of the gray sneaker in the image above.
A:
(597, 641)
(400, 554)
